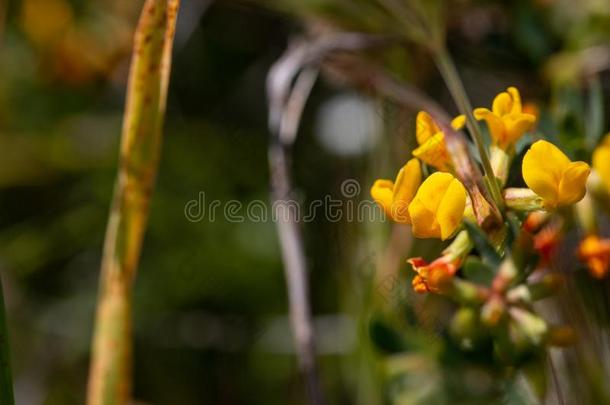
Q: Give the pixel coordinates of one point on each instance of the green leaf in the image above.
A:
(477, 271)
(485, 248)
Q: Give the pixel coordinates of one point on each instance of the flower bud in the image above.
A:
(500, 162)
(464, 326)
(522, 199)
(493, 310)
(434, 277)
(530, 329)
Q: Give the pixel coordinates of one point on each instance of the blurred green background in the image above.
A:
(210, 303)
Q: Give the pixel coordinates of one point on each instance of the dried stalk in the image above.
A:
(289, 83)
(110, 373)
(291, 240)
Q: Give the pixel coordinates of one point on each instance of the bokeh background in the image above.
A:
(210, 303)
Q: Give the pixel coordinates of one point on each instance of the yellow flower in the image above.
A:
(551, 175)
(438, 207)
(432, 149)
(394, 197)
(507, 121)
(601, 161)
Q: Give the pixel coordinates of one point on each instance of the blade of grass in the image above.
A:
(456, 88)
(110, 372)
(6, 381)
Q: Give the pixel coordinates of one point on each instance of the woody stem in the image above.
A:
(456, 88)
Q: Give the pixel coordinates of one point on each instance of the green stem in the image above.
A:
(6, 381)
(456, 88)
(594, 125)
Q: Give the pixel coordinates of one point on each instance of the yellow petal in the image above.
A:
(458, 122)
(516, 125)
(495, 124)
(516, 97)
(405, 187)
(502, 104)
(601, 163)
(425, 127)
(573, 184)
(438, 206)
(423, 222)
(432, 190)
(408, 181)
(451, 209)
(434, 152)
(382, 194)
(543, 168)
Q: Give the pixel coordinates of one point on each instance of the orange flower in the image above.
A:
(546, 240)
(595, 252)
(535, 220)
(432, 277)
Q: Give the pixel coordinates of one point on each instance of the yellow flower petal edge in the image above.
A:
(432, 149)
(551, 175)
(507, 121)
(434, 153)
(458, 122)
(425, 127)
(438, 207)
(601, 161)
(381, 191)
(451, 209)
(395, 196)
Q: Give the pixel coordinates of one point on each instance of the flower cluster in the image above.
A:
(497, 270)
(436, 206)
